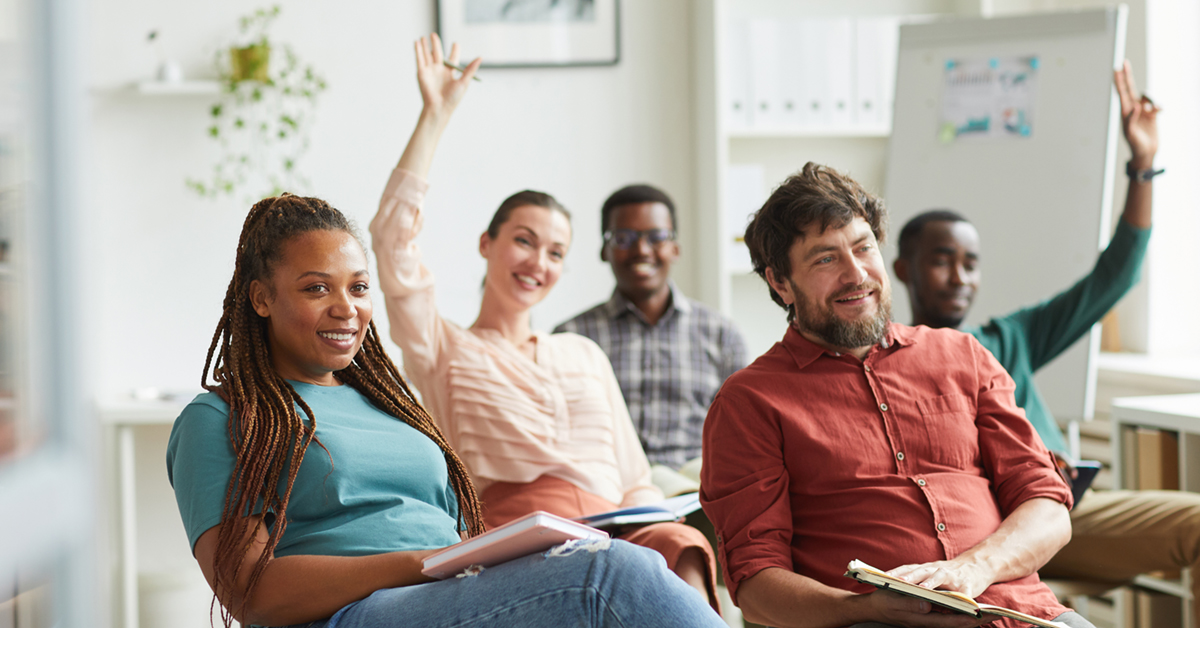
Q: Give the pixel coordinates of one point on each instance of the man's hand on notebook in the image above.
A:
(964, 577)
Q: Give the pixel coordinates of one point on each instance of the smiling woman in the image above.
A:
(539, 419)
(319, 305)
(335, 536)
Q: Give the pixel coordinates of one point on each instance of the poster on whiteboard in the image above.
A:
(988, 98)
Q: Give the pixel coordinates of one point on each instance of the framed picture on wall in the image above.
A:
(533, 33)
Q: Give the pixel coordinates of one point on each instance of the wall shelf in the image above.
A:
(836, 132)
(182, 88)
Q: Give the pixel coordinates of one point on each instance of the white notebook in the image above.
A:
(534, 532)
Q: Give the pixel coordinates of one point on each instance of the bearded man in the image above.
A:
(857, 438)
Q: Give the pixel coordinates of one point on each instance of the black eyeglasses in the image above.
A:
(623, 239)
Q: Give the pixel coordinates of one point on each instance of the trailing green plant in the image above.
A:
(261, 122)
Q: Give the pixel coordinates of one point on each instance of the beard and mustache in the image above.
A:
(829, 328)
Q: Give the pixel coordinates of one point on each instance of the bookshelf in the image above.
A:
(856, 142)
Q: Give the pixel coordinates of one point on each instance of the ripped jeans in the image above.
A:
(588, 585)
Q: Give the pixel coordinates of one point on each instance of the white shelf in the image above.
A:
(130, 411)
(838, 132)
(183, 88)
(1168, 587)
(1136, 368)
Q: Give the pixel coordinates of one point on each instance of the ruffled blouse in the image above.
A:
(508, 417)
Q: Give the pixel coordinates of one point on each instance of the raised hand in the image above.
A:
(1138, 118)
(441, 90)
(441, 87)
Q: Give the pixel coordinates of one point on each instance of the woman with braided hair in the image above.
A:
(312, 484)
(538, 419)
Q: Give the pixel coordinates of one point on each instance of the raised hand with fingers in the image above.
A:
(441, 90)
(1138, 118)
(441, 86)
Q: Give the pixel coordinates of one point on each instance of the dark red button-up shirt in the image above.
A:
(914, 454)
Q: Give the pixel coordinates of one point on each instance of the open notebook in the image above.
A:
(951, 600)
(668, 510)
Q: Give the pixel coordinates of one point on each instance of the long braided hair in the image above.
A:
(266, 430)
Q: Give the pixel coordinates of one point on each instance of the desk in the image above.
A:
(1179, 413)
(119, 418)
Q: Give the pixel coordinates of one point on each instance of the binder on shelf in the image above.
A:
(744, 186)
(814, 46)
(876, 43)
(764, 73)
(737, 95)
(839, 66)
(791, 78)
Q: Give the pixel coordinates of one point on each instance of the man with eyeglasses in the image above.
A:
(670, 353)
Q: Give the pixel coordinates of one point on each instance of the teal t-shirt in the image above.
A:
(1027, 339)
(386, 490)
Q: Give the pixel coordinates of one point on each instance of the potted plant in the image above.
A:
(251, 61)
(268, 99)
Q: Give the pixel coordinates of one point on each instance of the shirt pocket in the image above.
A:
(950, 430)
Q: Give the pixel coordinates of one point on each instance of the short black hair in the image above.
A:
(639, 193)
(913, 228)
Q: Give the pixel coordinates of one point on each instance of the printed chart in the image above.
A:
(988, 98)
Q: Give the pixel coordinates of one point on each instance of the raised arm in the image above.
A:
(441, 90)
(406, 284)
(1053, 326)
(303, 588)
(1139, 121)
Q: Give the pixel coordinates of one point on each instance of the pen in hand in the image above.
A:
(460, 70)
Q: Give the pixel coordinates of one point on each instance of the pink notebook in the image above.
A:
(526, 535)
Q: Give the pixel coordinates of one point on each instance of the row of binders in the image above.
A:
(810, 74)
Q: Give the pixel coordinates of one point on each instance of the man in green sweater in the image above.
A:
(1115, 534)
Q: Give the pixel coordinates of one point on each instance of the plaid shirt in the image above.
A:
(669, 372)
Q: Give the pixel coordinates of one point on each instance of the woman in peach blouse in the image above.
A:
(538, 419)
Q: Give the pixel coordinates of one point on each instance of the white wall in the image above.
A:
(163, 257)
(1173, 269)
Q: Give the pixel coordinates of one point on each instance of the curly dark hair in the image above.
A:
(815, 198)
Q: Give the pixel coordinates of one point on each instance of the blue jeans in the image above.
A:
(585, 586)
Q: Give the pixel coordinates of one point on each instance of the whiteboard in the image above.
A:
(1039, 187)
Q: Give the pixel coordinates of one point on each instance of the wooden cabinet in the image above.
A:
(1156, 445)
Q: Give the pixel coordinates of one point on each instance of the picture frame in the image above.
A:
(512, 34)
